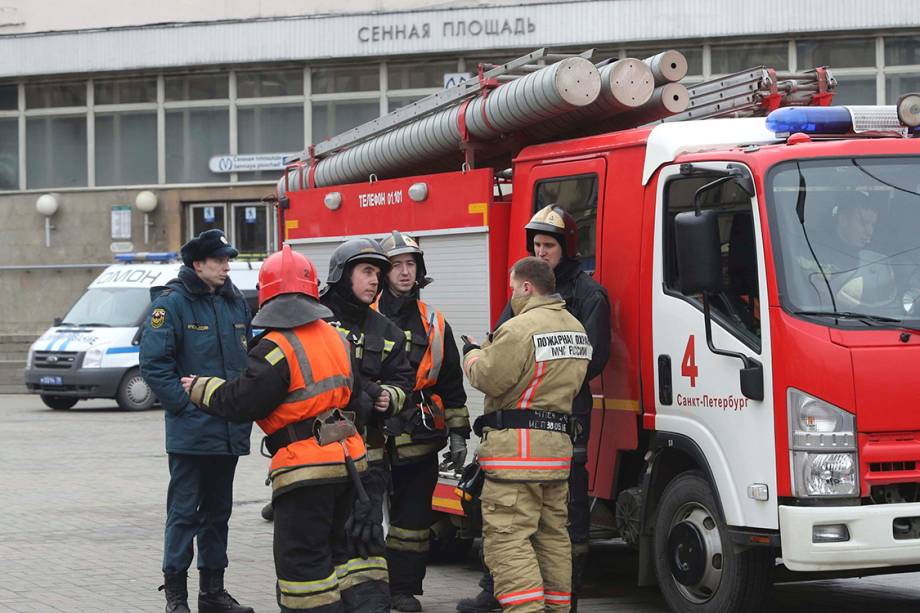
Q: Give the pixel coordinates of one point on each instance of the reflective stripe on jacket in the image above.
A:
(536, 360)
(321, 379)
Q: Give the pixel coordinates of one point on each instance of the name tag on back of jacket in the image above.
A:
(198, 327)
(564, 345)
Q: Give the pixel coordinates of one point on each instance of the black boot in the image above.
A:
(176, 588)
(213, 598)
(484, 602)
(406, 603)
(268, 512)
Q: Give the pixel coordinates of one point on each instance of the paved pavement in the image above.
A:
(82, 513)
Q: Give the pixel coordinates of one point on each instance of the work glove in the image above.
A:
(457, 451)
(364, 527)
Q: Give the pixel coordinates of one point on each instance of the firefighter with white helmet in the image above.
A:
(297, 383)
(552, 235)
(435, 413)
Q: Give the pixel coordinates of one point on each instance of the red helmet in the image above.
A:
(287, 272)
(558, 223)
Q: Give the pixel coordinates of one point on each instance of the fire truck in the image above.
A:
(762, 255)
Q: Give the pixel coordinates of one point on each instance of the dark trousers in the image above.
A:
(579, 504)
(410, 524)
(364, 581)
(310, 547)
(198, 506)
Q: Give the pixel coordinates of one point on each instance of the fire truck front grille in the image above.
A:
(54, 360)
(885, 467)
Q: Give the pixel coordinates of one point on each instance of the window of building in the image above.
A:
(902, 50)
(126, 152)
(836, 52)
(204, 86)
(395, 102)
(334, 117)
(269, 83)
(419, 75)
(737, 306)
(694, 56)
(9, 96)
(855, 89)
(55, 95)
(578, 196)
(125, 91)
(735, 58)
(269, 129)
(56, 152)
(193, 136)
(339, 79)
(9, 153)
(207, 216)
(898, 84)
(251, 228)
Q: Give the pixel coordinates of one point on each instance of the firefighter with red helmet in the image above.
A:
(356, 270)
(435, 414)
(298, 384)
(552, 236)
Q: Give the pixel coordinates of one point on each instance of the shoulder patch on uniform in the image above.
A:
(561, 345)
(158, 317)
(274, 356)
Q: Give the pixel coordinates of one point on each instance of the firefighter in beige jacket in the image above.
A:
(529, 372)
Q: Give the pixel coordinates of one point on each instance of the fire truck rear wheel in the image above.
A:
(697, 567)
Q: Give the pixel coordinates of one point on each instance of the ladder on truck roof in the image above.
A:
(558, 96)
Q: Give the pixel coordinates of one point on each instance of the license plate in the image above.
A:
(50, 381)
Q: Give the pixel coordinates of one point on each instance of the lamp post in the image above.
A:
(146, 203)
(47, 205)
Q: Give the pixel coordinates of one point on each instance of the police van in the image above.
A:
(94, 350)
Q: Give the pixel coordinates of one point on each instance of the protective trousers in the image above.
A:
(579, 503)
(410, 522)
(310, 547)
(526, 545)
(198, 506)
(364, 582)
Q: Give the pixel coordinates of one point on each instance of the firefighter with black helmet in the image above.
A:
(552, 236)
(435, 413)
(356, 270)
(298, 383)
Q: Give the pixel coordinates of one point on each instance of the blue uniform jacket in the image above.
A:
(191, 331)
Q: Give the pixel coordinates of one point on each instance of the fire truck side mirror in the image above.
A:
(752, 380)
(699, 252)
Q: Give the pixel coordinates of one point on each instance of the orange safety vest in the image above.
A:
(320, 380)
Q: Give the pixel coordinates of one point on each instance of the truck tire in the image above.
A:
(133, 392)
(58, 403)
(697, 567)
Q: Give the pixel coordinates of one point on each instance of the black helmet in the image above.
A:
(558, 223)
(398, 243)
(354, 251)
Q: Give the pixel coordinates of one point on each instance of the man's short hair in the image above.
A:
(537, 272)
(854, 201)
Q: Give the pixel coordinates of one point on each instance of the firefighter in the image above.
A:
(530, 372)
(435, 413)
(552, 235)
(298, 378)
(354, 282)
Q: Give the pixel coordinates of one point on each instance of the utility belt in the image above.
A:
(425, 420)
(330, 426)
(527, 419)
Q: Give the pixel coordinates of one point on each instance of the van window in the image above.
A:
(578, 196)
(737, 306)
(115, 307)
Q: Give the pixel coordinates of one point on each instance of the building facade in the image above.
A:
(100, 102)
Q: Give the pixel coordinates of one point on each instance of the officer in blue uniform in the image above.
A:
(198, 325)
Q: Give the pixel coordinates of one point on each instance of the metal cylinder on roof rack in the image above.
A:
(667, 67)
(668, 99)
(558, 88)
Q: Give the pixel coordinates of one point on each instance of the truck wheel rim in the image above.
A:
(695, 552)
(138, 392)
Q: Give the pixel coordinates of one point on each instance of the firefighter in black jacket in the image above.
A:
(435, 413)
(552, 235)
(355, 276)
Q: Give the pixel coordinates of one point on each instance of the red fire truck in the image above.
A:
(760, 406)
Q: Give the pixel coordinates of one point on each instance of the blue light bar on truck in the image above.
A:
(835, 120)
(147, 256)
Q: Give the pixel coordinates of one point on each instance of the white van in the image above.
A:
(93, 351)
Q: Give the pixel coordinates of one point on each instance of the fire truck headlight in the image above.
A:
(822, 445)
(825, 474)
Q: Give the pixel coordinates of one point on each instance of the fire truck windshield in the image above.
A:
(846, 239)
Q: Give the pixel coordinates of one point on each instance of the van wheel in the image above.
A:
(58, 403)
(133, 393)
(697, 567)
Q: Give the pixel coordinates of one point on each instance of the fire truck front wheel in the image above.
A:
(698, 570)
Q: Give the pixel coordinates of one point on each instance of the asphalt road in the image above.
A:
(81, 524)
